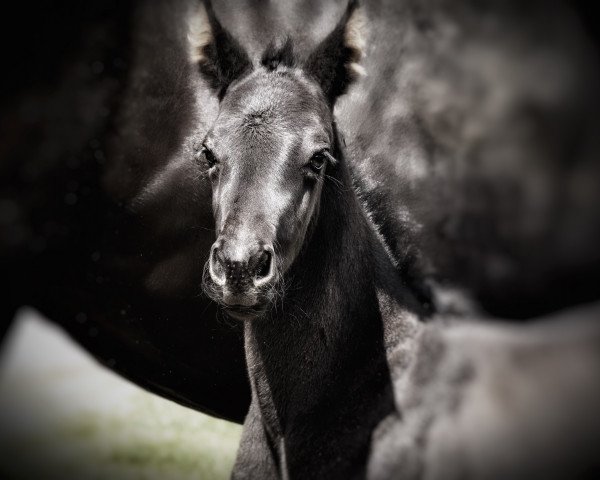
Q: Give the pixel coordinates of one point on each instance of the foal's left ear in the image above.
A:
(219, 56)
(334, 63)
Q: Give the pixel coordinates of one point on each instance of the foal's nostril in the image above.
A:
(264, 264)
(215, 266)
(265, 268)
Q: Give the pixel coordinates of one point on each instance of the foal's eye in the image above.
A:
(317, 162)
(209, 156)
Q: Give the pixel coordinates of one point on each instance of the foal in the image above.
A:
(297, 259)
(290, 226)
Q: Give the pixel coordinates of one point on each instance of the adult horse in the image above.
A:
(106, 222)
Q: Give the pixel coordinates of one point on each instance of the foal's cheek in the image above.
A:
(299, 222)
(216, 206)
(309, 202)
(217, 196)
(303, 209)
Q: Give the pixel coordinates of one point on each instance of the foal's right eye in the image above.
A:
(317, 162)
(209, 156)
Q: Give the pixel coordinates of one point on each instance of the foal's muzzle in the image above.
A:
(242, 271)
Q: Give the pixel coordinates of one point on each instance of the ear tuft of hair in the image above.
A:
(219, 57)
(335, 62)
(279, 54)
(199, 34)
(356, 39)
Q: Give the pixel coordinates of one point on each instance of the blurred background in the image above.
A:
(63, 416)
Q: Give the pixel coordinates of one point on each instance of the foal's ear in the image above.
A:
(334, 63)
(220, 58)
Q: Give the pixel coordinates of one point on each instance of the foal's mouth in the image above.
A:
(239, 305)
(241, 312)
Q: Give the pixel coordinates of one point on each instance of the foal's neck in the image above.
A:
(326, 337)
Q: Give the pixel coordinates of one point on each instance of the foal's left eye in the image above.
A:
(209, 156)
(317, 162)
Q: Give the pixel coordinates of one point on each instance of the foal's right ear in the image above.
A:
(220, 58)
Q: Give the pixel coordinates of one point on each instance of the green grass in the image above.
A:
(158, 441)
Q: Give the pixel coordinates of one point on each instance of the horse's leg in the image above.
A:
(255, 456)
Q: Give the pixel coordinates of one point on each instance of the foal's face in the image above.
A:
(268, 151)
(266, 156)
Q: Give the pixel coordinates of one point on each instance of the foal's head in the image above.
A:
(267, 153)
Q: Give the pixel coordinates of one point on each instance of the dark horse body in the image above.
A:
(106, 224)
